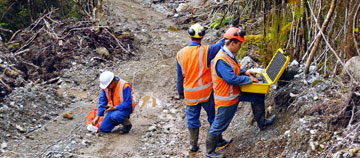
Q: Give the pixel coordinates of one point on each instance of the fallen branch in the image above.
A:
(29, 41)
(318, 37)
(83, 28)
(14, 35)
(42, 17)
(31, 64)
(119, 43)
(7, 86)
(355, 17)
(5, 30)
(328, 44)
(20, 52)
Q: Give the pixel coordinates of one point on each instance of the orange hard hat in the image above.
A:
(235, 33)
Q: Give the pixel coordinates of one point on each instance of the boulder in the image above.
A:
(247, 63)
(353, 66)
(182, 7)
(103, 51)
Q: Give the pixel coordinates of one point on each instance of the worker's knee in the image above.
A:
(106, 128)
(117, 118)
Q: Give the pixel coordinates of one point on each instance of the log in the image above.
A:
(318, 37)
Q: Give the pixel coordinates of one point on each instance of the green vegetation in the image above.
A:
(217, 23)
(18, 14)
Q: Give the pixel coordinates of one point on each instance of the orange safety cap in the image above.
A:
(235, 33)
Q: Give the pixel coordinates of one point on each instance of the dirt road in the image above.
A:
(158, 120)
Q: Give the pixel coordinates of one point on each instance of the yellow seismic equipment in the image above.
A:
(272, 74)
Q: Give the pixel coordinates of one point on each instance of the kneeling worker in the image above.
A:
(116, 100)
(227, 75)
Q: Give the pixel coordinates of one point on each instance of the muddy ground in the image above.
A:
(159, 128)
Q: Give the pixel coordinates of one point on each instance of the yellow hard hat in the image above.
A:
(196, 31)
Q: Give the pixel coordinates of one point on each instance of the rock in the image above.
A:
(294, 63)
(312, 68)
(151, 128)
(21, 129)
(287, 133)
(313, 132)
(353, 66)
(182, 7)
(85, 142)
(173, 111)
(248, 63)
(46, 117)
(103, 51)
(312, 146)
(3, 145)
(68, 115)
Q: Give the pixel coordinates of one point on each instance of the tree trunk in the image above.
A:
(350, 45)
(318, 37)
(264, 23)
(30, 10)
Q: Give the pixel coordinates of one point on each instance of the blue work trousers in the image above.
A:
(193, 112)
(226, 114)
(112, 119)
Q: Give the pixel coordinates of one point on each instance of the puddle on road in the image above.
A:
(149, 101)
(172, 28)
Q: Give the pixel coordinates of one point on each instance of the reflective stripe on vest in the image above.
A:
(224, 96)
(200, 92)
(180, 61)
(231, 95)
(201, 65)
(118, 96)
(122, 82)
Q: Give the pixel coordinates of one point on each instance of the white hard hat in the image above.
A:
(105, 79)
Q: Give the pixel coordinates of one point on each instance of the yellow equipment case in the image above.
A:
(272, 74)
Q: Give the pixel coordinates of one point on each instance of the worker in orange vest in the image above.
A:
(227, 76)
(194, 81)
(116, 100)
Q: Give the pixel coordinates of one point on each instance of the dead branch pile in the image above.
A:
(39, 52)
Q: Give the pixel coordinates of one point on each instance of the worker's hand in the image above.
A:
(250, 73)
(254, 79)
(111, 108)
(95, 121)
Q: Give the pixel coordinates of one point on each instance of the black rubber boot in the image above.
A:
(126, 126)
(259, 115)
(211, 142)
(194, 136)
(222, 143)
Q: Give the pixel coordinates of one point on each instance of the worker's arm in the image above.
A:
(127, 104)
(213, 50)
(225, 71)
(103, 102)
(180, 80)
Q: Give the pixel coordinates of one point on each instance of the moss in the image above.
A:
(13, 46)
(74, 13)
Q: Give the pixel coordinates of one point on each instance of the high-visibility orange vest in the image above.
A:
(196, 73)
(224, 93)
(118, 96)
